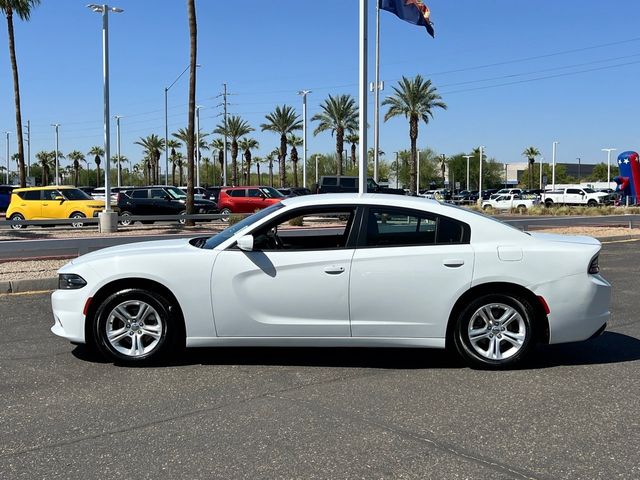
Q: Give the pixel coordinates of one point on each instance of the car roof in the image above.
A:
(48, 187)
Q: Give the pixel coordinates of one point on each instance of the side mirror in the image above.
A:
(245, 243)
(59, 198)
(167, 197)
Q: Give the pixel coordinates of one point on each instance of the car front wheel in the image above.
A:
(77, 215)
(495, 331)
(135, 326)
(17, 216)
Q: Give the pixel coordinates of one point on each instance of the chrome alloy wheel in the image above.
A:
(134, 328)
(497, 331)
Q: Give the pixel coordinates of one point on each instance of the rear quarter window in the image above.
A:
(330, 181)
(30, 195)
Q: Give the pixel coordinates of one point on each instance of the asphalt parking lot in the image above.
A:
(571, 413)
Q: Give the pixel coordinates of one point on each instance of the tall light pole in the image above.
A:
(553, 166)
(376, 102)
(541, 165)
(418, 175)
(198, 107)
(609, 150)
(304, 94)
(108, 218)
(397, 170)
(166, 125)
(28, 126)
(468, 157)
(578, 158)
(316, 170)
(118, 117)
(480, 176)
(7, 157)
(362, 100)
(56, 126)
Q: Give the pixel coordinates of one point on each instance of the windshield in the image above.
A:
(75, 194)
(589, 190)
(271, 192)
(175, 192)
(229, 232)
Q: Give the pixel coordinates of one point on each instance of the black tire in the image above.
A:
(548, 203)
(182, 221)
(505, 354)
(521, 209)
(487, 208)
(17, 216)
(125, 221)
(162, 319)
(226, 213)
(77, 215)
(592, 203)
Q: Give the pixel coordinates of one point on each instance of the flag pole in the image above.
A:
(376, 103)
(362, 183)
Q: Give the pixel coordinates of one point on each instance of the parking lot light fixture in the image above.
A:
(553, 166)
(304, 94)
(56, 126)
(468, 157)
(7, 133)
(482, 147)
(609, 150)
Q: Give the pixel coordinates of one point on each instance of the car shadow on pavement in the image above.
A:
(610, 347)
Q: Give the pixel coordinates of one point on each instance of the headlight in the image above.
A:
(70, 281)
(593, 266)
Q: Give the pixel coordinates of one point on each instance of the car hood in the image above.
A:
(554, 237)
(153, 247)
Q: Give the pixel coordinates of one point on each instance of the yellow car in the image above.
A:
(45, 203)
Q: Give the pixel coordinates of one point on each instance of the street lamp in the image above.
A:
(480, 176)
(418, 175)
(304, 94)
(553, 166)
(578, 158)
(609, 150)
(541, 165)
(397, 170)
(166, 125)
(316, 171)
(468, 157)
(118, 117)
(198, 107)
(7, 156)
(56, 126)
(108, 218)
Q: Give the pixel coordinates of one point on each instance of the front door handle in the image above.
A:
(334, 270)
(453, 262)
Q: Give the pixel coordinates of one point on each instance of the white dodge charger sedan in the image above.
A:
(340, 270)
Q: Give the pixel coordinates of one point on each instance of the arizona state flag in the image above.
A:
(412, 11)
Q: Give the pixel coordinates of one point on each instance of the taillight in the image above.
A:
(593, 266)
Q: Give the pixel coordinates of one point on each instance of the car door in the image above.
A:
(30, 204)
(294, 283)
(574, 196)
(409, 269)
(142, 203)
(52, 208)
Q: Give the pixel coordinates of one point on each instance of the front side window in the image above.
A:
(75, 194)
(253, 192)
(158, 193)
(320, 228)
(229, 232)
(392, 227)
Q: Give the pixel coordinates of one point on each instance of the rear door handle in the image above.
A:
(453, 262)
(334, 270)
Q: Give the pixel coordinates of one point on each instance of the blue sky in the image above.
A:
(513, 73)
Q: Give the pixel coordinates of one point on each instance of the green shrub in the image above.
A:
(296, 222)
(233, 219)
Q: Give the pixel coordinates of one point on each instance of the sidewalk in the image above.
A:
(39, 275)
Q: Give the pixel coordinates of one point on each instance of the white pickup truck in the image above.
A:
(509, 201)
(575, 196)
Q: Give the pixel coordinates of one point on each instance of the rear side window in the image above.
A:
(30, 195)
(574, 191)
(253, 192)
(348, 182)
(139, 194)
(330, 181)
(237, 193)
(399, 227)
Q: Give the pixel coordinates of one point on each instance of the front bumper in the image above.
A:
(69, 321)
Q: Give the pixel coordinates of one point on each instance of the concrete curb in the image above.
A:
(29, 285)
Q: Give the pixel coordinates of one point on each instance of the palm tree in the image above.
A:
(415, 99)
(207, 164)
(353, 138)
(178, 162)
(247, 144)
(282, 120)
(183, 135)
(173, 145)
(97, 152)
(258, 161)
(235, 128)
(275, 153)
(193, 46)
(23, 9)
(118, 160)
(531, 153)
(76, 157)
(339, 114)
(153, 146)
(294, 141)
(45, 159)
(218, 144)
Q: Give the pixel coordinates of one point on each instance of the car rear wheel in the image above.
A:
(495, 331)
(17, 216)
(592, 203)
(77, 215)
(226, 213)
(522, 209)
(124, 219)
(135, 326)
(548, 203)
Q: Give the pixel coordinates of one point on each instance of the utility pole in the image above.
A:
(553, 167)
(304, 94)
(224, 104)
(480, 176)
(467, 157)
(118, 117)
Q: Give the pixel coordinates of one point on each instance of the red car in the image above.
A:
(246, 199)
